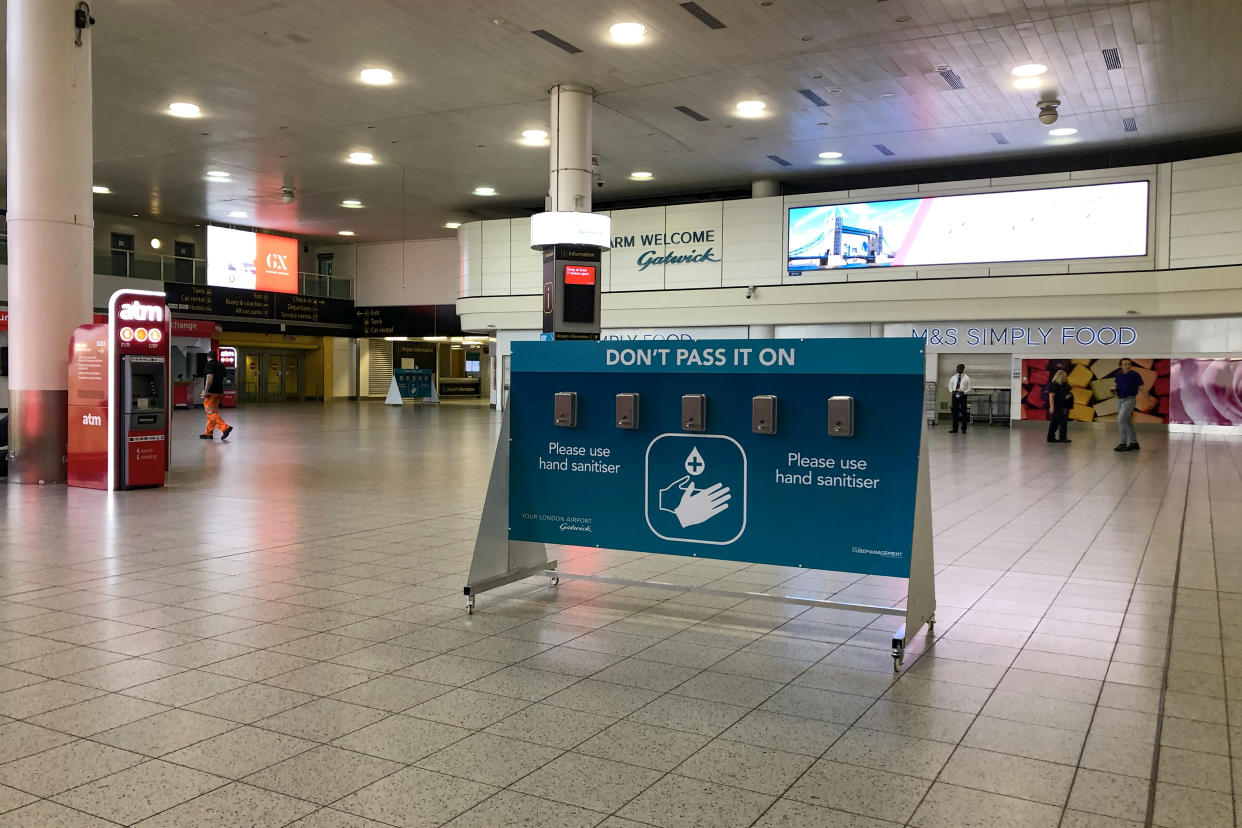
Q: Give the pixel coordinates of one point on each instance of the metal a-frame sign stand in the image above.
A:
(499, 561)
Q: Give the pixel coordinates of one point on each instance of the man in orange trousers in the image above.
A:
(213, 391)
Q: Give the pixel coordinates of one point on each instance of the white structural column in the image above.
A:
(50, 226)
(570, 158)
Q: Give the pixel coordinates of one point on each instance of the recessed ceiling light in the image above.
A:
(155, 244)
(1028, 70)
(352, 203)
(535, 137)
(376, 77)
(1028, 83)
(887, 95)
(345, 232)
(100, 189)
(485, 191)
(627, 32)
(751, 109)
(219, 174)
(361, 158)
(1061, 132)
(237, 214)
(641, 175)
(452, 225)
(181, 109)
(829, 155)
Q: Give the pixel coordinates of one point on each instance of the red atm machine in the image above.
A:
(228, 361)
(120, 395)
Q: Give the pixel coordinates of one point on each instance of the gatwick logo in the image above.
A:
(278, 261)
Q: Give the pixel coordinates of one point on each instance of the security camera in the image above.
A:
(599, 182)
(287, 194)
(750, 292)
(1048, 111)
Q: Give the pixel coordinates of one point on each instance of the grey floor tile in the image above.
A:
(813, 703)
(588, 782)
(603, 698)
(552, 726)
(1183, 807)
(1109, 794)
(792, 733)
(322, 720)
(860, 790)
(788, 813)
(98, 714)
(140, 792)
(249, 703)
(1020, 739)
(402, 738)
(1014, 776)
(749, 767)
(392, 693)
(691, 715)
(240, 752)
(19, 740)
(164, 732)
(492, 760)
(415, 798)
(522, 811)
(323, 774)
(647, 746)
(677, 801)
(949, 806)
(234, 806)
(891, 752)
(67, 766)
(46, 814)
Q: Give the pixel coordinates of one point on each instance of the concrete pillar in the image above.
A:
(50, 226)
(569, 189)
(765, 188)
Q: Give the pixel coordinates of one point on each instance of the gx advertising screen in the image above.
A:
(1087, 222)
(254, 261)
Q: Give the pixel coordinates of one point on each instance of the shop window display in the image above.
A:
(1095, 396)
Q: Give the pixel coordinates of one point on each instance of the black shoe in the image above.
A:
(1121, 447)
(1132, 447)
(953, 431)
(224, 435)
(1051, 440)
(206, 436)
(1066, 440)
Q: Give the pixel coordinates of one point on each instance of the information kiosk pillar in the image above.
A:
(228, 361)
(119, 396)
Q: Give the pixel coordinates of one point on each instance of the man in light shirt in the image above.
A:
(959, 386)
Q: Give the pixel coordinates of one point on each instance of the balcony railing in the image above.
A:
(161, 268)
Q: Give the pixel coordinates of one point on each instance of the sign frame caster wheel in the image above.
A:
(931, 625)
(470, 605)
(555, 580)
(899, 653)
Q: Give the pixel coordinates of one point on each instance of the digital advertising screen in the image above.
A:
(1088, 222)
(254, 261)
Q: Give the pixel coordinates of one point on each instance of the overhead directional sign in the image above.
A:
(791, 452)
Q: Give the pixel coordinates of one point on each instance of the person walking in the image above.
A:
(959, 386)
(1060, 401)
(213, 391)
(1128, 382)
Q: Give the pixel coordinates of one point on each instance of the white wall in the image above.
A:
(407, 273)
(1205, 224)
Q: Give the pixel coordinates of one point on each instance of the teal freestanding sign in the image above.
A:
(803, 453)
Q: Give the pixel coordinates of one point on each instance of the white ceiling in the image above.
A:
(277, 83)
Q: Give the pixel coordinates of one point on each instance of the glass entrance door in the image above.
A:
(272, 376)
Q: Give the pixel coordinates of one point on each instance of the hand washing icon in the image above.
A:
(685, 510)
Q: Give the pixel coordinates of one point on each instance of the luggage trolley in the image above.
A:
(930, 402)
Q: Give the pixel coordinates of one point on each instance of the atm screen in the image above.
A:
(144, 388)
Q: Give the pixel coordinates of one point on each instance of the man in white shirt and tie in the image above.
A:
(959, 386)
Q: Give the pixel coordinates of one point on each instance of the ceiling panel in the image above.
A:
(277, 81)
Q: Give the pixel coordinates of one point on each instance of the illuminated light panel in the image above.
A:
(452, 225)
(1028, 70)
(376, 76)
(485, 191)
(535, 137)
(361, 158)
(345, 232)
(351, 203)
(1061, 132)
(628, 33)
(181, 109)
(750, 109)
(237, 214)
(827, 156)
(642, 175)
(100, 189)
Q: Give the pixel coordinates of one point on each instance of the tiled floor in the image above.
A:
(280, 638)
